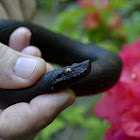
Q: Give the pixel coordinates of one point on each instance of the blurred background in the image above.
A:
(107, 23)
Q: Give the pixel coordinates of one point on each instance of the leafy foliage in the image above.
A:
(70, 19)
(48, 4)
(77, 117)
(109, 27)
(132, 33)
(56, 126)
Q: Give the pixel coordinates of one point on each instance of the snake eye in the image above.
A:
(68, 70)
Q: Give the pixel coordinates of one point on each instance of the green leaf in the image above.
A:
(68, 19)
(54, 127)
(132, 27)
(96, 128)
(74, 115)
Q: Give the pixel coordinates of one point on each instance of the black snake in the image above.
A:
(103, 71)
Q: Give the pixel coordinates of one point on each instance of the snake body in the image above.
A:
(105, 65)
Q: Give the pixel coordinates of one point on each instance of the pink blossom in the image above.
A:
(116, 133)
(99, 4)
(130, 54)
(104, 4)
(120, 105)
(86, 3)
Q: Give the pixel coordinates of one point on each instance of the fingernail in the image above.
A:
(24, 67)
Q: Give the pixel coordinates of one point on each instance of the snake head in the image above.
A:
(70, 74)
(54, 80)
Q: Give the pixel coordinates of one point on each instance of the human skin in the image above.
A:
(24, 120)
(21, 66)
(17, 9)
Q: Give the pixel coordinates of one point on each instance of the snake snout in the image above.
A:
(72, 74)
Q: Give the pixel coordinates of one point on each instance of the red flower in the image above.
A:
(116, 133)
(120, 106)
(86, 3)
(102, 4)
(116, 22)
(92, 20)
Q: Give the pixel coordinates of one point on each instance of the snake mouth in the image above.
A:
(72, 74)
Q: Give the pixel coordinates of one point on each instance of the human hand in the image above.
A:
(17, 9)
(23, 121)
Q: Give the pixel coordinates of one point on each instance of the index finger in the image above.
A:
(13, 9)
(3, 14)
(28, 9)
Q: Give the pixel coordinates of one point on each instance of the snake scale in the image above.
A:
(94, 70)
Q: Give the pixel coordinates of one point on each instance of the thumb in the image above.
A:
(18, 70)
